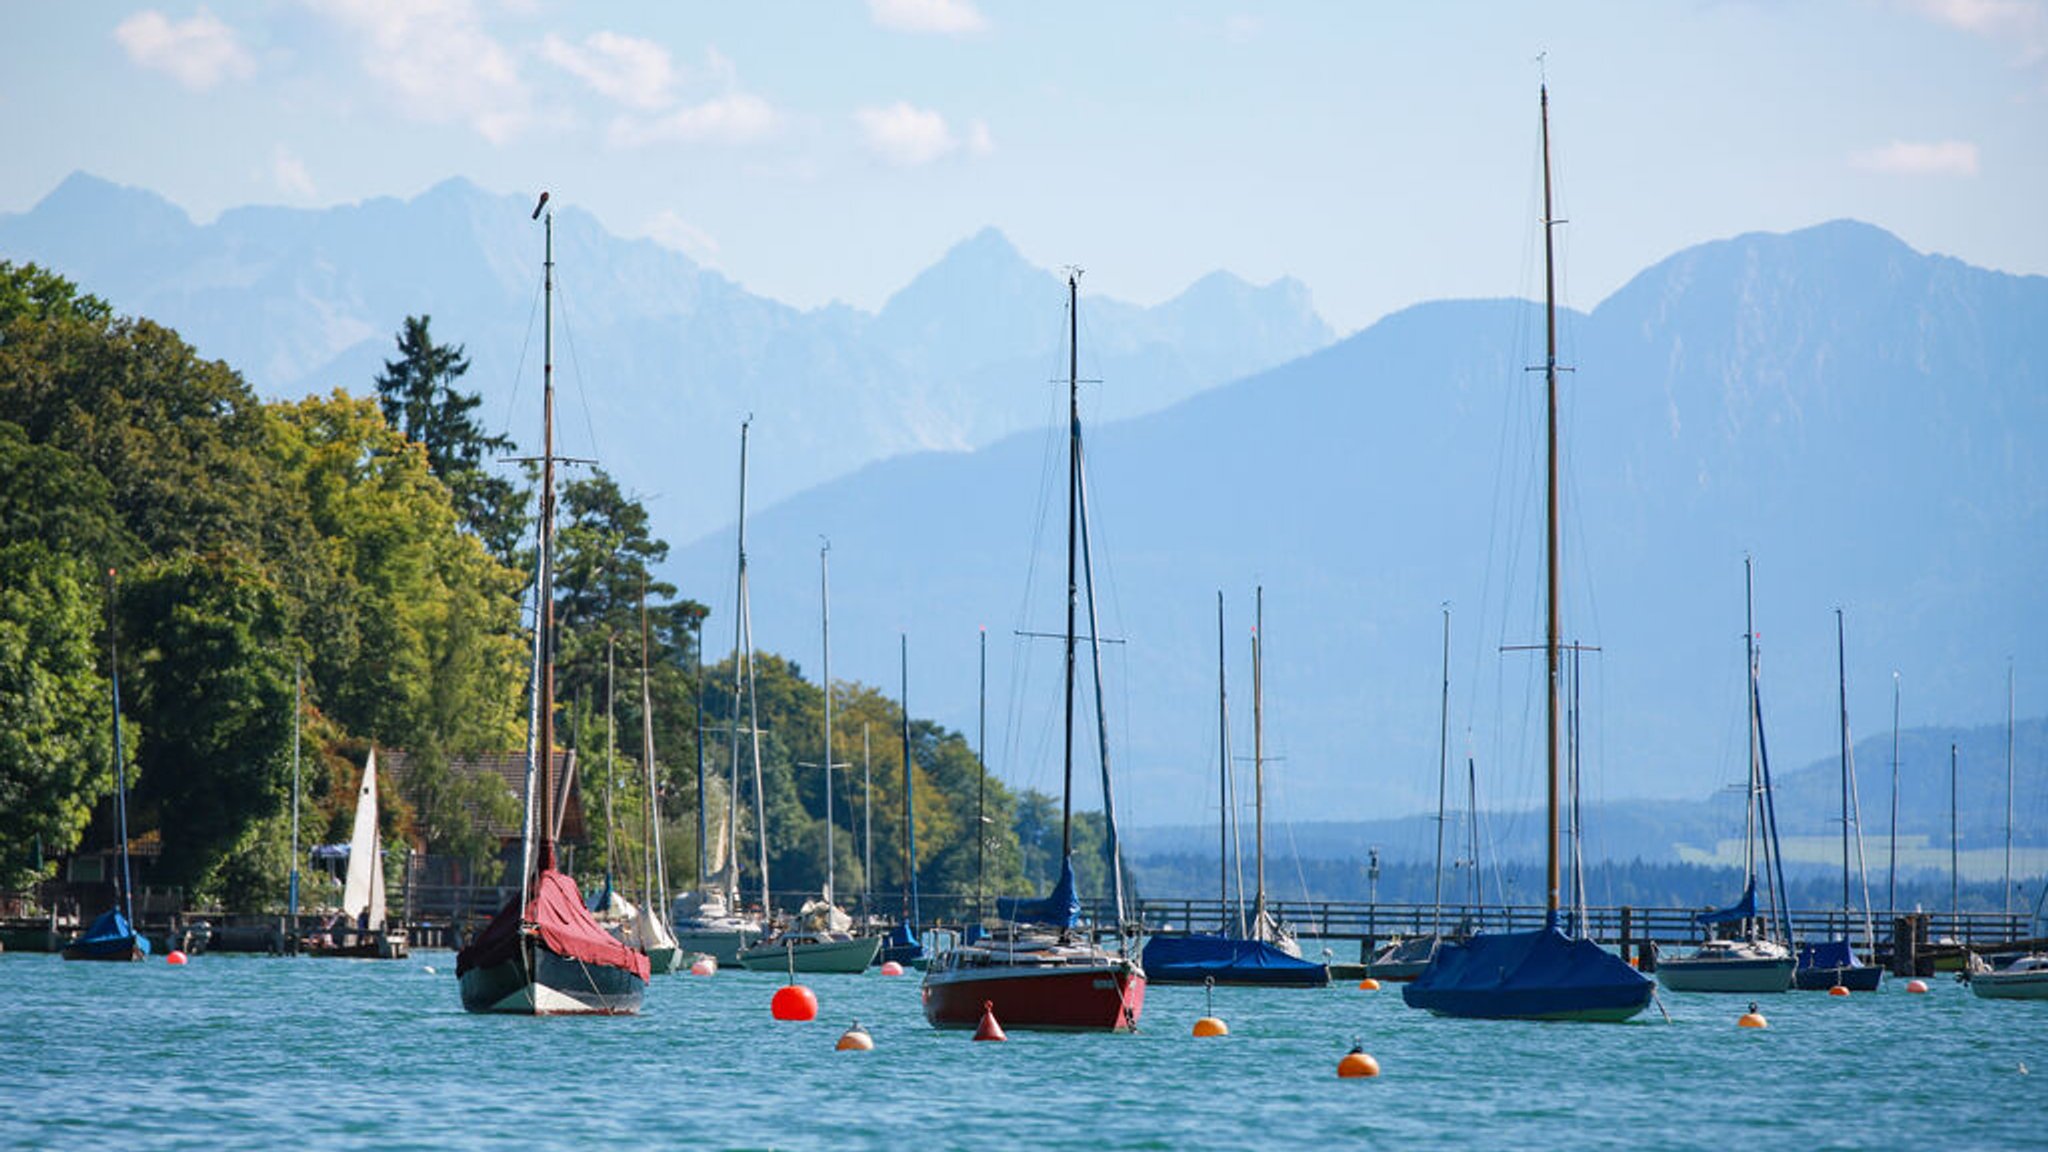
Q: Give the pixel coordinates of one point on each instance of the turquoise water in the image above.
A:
(234, 1051)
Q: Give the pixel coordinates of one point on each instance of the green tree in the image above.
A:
(418, 397)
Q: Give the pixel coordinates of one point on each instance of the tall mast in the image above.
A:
(703, 819)
(825, 630)
(120, 760)
(1259, 764)
(1223, 812)
(1755, 777)
(867, 822)
(1109, 825)
(1955, 884)
(292, 887)
(657, 884)
(610, 750)
(909, 801)
(739, 680)
(1552, 627)
(1842, 680)
(1443, 775)
(1891, 878)
(754, 746)
(981, 787)
(1073, 587)
(2009, 702)
(544, 743)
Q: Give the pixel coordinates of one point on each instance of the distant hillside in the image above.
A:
(658, 359)
(1864, 419)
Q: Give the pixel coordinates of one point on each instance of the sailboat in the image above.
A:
(710, 920)
(822, 938)
(1543, 974)
(542, 954)
(1040, 968)
(365, 933)
(650, 931)
(903, 945)
(1749, 959)
(1404, 958)
(1832, 962)
(112, 934)
(1262, 952)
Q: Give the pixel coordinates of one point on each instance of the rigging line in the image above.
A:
(519, 369)
(576, 371)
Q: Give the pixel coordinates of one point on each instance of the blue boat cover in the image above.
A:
(1542, 974)
(1061, 908)
(1828, 954)
(601, 900)
(1194, 958)
(1743, 909)
(901, 945)
(110, 934)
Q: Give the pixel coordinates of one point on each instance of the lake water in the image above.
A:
(233, 1051)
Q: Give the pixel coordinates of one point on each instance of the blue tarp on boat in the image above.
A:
(901, 945)
(109, 935)
(1061, 907)
(1195, 959)
(1743, 909)
(1828, 954)
(1539, 975)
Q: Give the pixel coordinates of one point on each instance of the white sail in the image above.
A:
(364, 889)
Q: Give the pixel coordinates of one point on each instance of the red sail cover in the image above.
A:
(566, 928)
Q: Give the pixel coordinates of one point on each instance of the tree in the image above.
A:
(418, 397)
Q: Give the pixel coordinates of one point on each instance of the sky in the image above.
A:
(829, 150)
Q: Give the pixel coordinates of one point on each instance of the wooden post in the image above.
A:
(1902, 945)
(1627, 942)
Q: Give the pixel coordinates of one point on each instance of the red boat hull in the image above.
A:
(1090, 999)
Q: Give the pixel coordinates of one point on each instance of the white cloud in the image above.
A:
(632, 71)
(670, 230)
(2021, 25)
(288, 172)
(910, 136)
(945, 17)
(198, 53)
(1914, 158)
(734, 118)
(437, 61)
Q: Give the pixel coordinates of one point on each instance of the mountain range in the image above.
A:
(658, 359)
(1865, 420)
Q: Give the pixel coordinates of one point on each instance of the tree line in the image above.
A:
(367, 556)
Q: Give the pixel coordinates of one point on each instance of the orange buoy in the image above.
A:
(1916, 986)
(1752, 1018)
(1211, 1026)
(989, 1029)
(1838, 990)
(794, 1002)
(704, 966)
(855, 1039)
(1368, 985)
(1357, 1064)
(174, 957)
(891, 968)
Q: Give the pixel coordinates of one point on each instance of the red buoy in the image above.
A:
(794, 1002)
(891, 968)
(174, 957)
(989, 1029)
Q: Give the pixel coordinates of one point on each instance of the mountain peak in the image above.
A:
(83, 196)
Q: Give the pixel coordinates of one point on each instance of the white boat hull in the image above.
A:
(1746, 977)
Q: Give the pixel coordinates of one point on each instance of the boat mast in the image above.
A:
(1073, 587)
(1955, 884)
(1755, 778)
(1443, 777)
(909, 801)
(1223, 811)
(1551, 541)
(2009, 701)
(867, 823)
(292, 886)
(703, 819)
(1891, 871)
(543, 746)
(657, 885)
(610, 753)
(127, 893)
(1259, 765)
(981, 788)
(825, 630)
(1842, 682)
(739, 672)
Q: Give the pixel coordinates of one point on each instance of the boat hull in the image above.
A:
(1856, 978)
(377, 946)
(1202, 959)
(1746, 977)
(537, 982)
(1538, 975)
(721, 944)
(663, 959)
(828, 956)
(2010, 986)
(123, 950)
(1081, 999)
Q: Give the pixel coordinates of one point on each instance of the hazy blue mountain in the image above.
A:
(1868, 421)
(657, 359)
